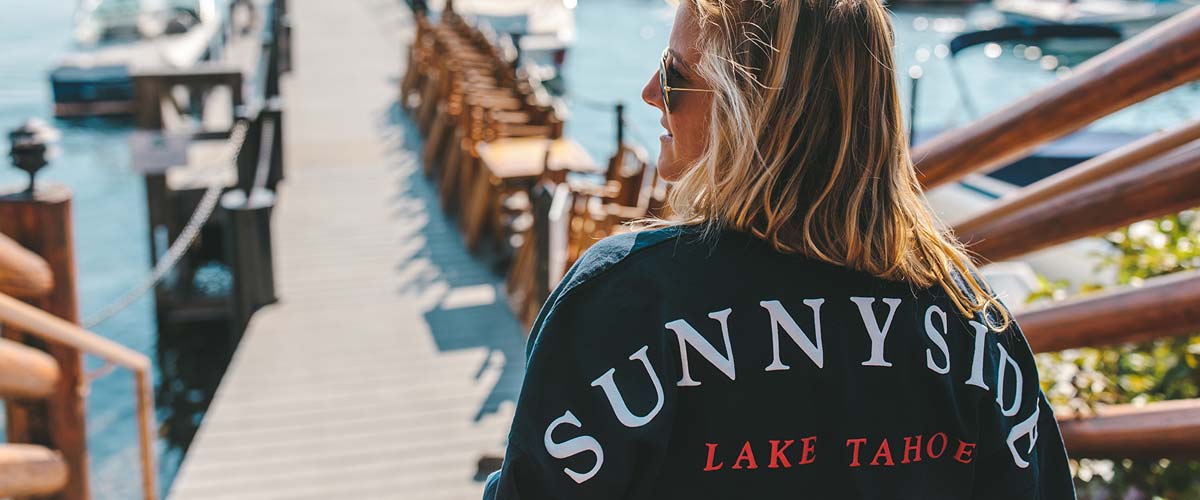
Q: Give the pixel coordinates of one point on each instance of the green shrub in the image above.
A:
(1163, 369)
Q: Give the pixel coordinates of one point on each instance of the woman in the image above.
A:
(802, 329)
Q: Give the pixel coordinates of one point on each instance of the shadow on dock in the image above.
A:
(463, 298)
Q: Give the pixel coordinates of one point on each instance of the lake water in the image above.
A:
(619, 42)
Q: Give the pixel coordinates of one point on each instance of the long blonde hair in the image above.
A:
(807, 148)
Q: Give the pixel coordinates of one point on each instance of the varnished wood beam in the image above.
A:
(26, 372)
(1100, 167)
(23, 273)
(1167, 429)
(1161, 307)
(1161, 186)
(30, 470)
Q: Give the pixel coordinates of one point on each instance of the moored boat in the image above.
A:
(115, 38)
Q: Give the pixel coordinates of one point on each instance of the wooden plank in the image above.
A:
(1154, 61)
(1168, 429)
(1161, 307)
(26, 372)
(22, 273)
(43, 225)
(1161, 186)
(30, 470)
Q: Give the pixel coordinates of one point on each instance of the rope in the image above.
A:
(204, 210)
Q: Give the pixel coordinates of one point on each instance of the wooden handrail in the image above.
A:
(1165, 429)
(49, 327)
(23, 273)
(1164, 185)
(29, 470)
(1154, 61)
(1100, 167)
(1161, 307)
(26, 372)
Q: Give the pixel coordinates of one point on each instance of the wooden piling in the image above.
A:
(42, 224)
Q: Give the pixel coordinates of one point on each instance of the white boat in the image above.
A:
(1130, 16)
(115, 38)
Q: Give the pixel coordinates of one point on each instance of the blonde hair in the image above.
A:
(807, 148)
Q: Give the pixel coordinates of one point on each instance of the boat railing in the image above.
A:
(1155, 176)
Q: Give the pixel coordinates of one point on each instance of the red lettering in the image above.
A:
(777, 455)
(914, 448)
(884, 451)
(809, 452)
(712, 450)
(965, 452)
(747, 454)
(929, 445)
(857, 442)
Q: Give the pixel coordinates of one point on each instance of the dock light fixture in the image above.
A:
(32, 147)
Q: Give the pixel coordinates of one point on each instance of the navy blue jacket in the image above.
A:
(670, 366)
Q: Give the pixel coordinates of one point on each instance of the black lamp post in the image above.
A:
(32, 148)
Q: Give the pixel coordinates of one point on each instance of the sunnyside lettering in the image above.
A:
(786, 453)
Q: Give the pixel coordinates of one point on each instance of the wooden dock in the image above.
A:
(391, 362)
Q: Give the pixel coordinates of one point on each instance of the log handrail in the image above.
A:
(26, 372)
(49, 327)
(1152, 62)
(1164, 429)
(1162, 307)
(1164, 185)
(1105, 165)
(23, 273)
(29, 470)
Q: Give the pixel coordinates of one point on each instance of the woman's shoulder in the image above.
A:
(618, 252)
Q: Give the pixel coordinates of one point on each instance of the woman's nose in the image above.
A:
(652, 93)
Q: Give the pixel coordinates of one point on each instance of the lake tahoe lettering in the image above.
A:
(801, 450)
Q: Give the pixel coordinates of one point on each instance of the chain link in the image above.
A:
(208, 203)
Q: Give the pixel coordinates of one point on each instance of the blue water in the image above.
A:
(619, 42)
(110, 227)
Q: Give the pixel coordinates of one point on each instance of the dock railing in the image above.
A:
(1152, 177)
(42, 381)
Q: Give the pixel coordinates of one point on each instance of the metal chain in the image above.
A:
(208, 203)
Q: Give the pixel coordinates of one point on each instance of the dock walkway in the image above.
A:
(391, 361)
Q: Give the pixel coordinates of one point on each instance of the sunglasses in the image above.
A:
(663, 65)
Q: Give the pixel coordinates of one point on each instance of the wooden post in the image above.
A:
(42, 224)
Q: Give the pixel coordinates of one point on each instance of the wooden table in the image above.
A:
(513, 165)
